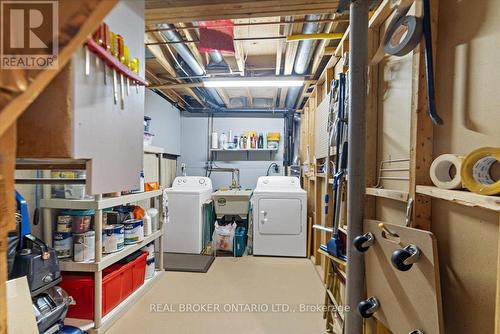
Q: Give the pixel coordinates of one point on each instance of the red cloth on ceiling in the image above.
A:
(216, 36)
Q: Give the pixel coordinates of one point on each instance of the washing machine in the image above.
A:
(279, 211)
(183, 230)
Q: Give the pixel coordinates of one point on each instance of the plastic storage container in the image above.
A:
(240, 241)
(119, 281)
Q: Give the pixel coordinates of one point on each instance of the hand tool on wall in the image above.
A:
(121, 56)
(334, 245)
(402, 35)
(114, 52)
(431, 95)
(331, 114)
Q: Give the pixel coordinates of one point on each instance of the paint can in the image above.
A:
(134, 231)
(64, 223)
(84, 246)
(63, 244)
(113, 238)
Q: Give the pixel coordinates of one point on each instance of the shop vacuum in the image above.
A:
(31, 257)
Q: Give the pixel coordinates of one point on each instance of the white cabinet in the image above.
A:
(76, 118)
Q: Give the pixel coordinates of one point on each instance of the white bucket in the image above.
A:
(84, 246)
(134, 231)
(113, 238)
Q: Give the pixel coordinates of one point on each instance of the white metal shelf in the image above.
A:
(108, 259)
(104, 203)
(245, 150)
(109, 319)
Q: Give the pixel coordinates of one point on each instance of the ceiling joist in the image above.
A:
(204, 10)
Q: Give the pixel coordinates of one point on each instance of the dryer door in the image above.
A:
(280, 216)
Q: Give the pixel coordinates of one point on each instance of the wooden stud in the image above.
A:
(421, 129)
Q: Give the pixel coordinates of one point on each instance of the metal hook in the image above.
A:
(409, 212)
(386, 230)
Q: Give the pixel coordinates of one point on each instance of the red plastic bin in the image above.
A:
(119, 281)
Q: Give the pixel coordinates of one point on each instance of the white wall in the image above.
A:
(195, 136)
(165, 122)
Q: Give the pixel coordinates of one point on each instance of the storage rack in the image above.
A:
(101, 324)
(215, 152)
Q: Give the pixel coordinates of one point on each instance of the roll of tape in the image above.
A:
(403, 36)
(476, 171)
(441, 169)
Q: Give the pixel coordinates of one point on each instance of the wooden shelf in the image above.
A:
(396, 195)
(462, 197)
(106, 202)
(109, 319)
(108, 259)
(333, 258)
(153, 149)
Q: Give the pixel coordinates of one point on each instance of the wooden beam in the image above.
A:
(161, 58)
(79, 20)
(291, 49)
(280, 45)
(157, 51)
(249, 98)
(240, 57)
(8, 142)
(192, 35)
(284, 91)
(199, 10)
(421, 129)
(224, 96)
(178, 85)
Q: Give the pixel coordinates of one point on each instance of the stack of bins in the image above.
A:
(119, 281)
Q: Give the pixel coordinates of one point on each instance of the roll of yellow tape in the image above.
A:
(476, 171)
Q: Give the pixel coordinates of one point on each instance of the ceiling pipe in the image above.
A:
(214, 108)
(184, 52)
(303, 57)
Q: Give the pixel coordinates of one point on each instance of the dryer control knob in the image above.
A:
(202, 181)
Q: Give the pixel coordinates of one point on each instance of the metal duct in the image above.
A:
(184, 52)
(216, 56)
(213, 108)
(305, 51)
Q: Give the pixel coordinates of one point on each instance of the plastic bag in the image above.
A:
(224, 236)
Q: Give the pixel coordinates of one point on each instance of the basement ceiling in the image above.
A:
(263, 52)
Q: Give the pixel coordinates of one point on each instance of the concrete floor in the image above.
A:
(279, 284)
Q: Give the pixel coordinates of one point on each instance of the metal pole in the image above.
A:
(358, 62)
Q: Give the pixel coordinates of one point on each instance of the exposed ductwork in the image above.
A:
(303, 57)
(186, 55)
(213, 108)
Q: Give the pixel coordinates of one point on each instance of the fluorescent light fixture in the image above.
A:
(254, 82)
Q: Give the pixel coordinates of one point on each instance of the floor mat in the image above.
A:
(194, 263)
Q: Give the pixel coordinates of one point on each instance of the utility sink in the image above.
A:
(232, 202)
